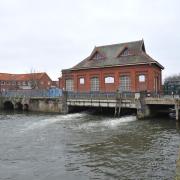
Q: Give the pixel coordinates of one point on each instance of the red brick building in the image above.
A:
(24, 81)
(124, 67)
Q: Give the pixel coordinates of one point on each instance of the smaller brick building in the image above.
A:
(24, 81)
(124, 67)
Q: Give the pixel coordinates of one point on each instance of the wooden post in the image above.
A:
(64, 102)
(177, 109)
(119, 105)
(177, 114)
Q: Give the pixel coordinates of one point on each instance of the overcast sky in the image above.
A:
(50, 35)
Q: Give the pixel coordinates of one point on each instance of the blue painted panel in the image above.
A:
(53, 92)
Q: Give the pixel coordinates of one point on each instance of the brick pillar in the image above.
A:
(133, 81)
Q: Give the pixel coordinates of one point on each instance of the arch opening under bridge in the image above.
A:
(8, 105)
(19, 106)
(26, 107)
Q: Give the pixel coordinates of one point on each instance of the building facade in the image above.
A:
(24, 81)
(123, 67)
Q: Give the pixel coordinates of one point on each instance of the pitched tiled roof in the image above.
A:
(20, 77)
(112, 56)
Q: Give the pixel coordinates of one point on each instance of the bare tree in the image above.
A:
(34, 78)
(172, 78)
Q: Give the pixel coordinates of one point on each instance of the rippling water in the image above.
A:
(85, 146)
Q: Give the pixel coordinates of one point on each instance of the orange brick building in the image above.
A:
(124, 67)
(24, 81)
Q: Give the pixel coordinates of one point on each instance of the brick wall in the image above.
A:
(150, 72)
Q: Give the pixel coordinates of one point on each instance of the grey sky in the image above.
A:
(50, 35)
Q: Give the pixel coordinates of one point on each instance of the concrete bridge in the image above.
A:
(35, 104)
(143, 105)
(40, 100)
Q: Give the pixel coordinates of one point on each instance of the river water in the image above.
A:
(86, 146)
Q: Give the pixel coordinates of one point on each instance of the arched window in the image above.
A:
(109, 80)
(142, 78)
(125, 83)
(81, 80)
(69, 85)
(94, 84)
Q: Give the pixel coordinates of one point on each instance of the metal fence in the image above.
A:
(53, 92)
(117, 95)
(100, 95)
(90, 95)
(56, 92)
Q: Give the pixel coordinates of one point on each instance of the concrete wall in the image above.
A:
(45, 105)
(52, 105)
(1, 102)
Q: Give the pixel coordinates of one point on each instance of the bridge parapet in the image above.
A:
(52, 92)
(100, 95)
(161, 100)
(101, 99)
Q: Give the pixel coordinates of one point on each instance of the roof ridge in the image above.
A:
(24, 73)
(6, 73)
(119, 43)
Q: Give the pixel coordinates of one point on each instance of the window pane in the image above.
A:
(109, 80)
(81, 80)
(142, 78)
(125, 83)
(69, 85)
(125, 52)
(97, 56)
(95, 84)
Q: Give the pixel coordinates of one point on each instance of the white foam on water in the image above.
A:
(39, 124)
(45, 122)
(108, 123)
(119, 121)
(73, 116)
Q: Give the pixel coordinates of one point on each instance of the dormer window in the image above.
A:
(97, 56)
(126, 52)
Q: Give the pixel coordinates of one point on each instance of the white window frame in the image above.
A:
(69, 84)
(81, 81)
(97, 56)
(142, 78)
(125, 83)
(95, 84)
(109, 80)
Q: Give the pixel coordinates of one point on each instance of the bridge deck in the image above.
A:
(161, 101)
(101, 103)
